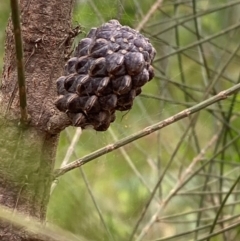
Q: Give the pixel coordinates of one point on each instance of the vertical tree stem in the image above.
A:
(19, 58)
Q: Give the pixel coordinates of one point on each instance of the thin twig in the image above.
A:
(220, 231)
(97, 12)
(20, 63)
(205, 209)
(148, 130)
(72, 151)
(213, 71)
(223, 205)
(194, 230)
(200, 14)
(194, 44)
(69, 153)
(130, 163)
(179, 184)
(85, 179)
(154, 7)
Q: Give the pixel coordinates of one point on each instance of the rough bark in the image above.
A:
(27, 154)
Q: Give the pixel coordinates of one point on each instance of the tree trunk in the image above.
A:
(27, 154)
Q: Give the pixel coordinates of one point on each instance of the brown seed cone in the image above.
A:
(107, 72)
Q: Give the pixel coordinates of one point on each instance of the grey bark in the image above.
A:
(27, 154)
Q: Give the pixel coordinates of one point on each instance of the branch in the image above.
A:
(37, 231)
(58, 122)
(197, 43)
(148, 130)
(19, 57)
(152, 10)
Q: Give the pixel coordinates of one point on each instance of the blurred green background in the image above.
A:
(105, 198)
